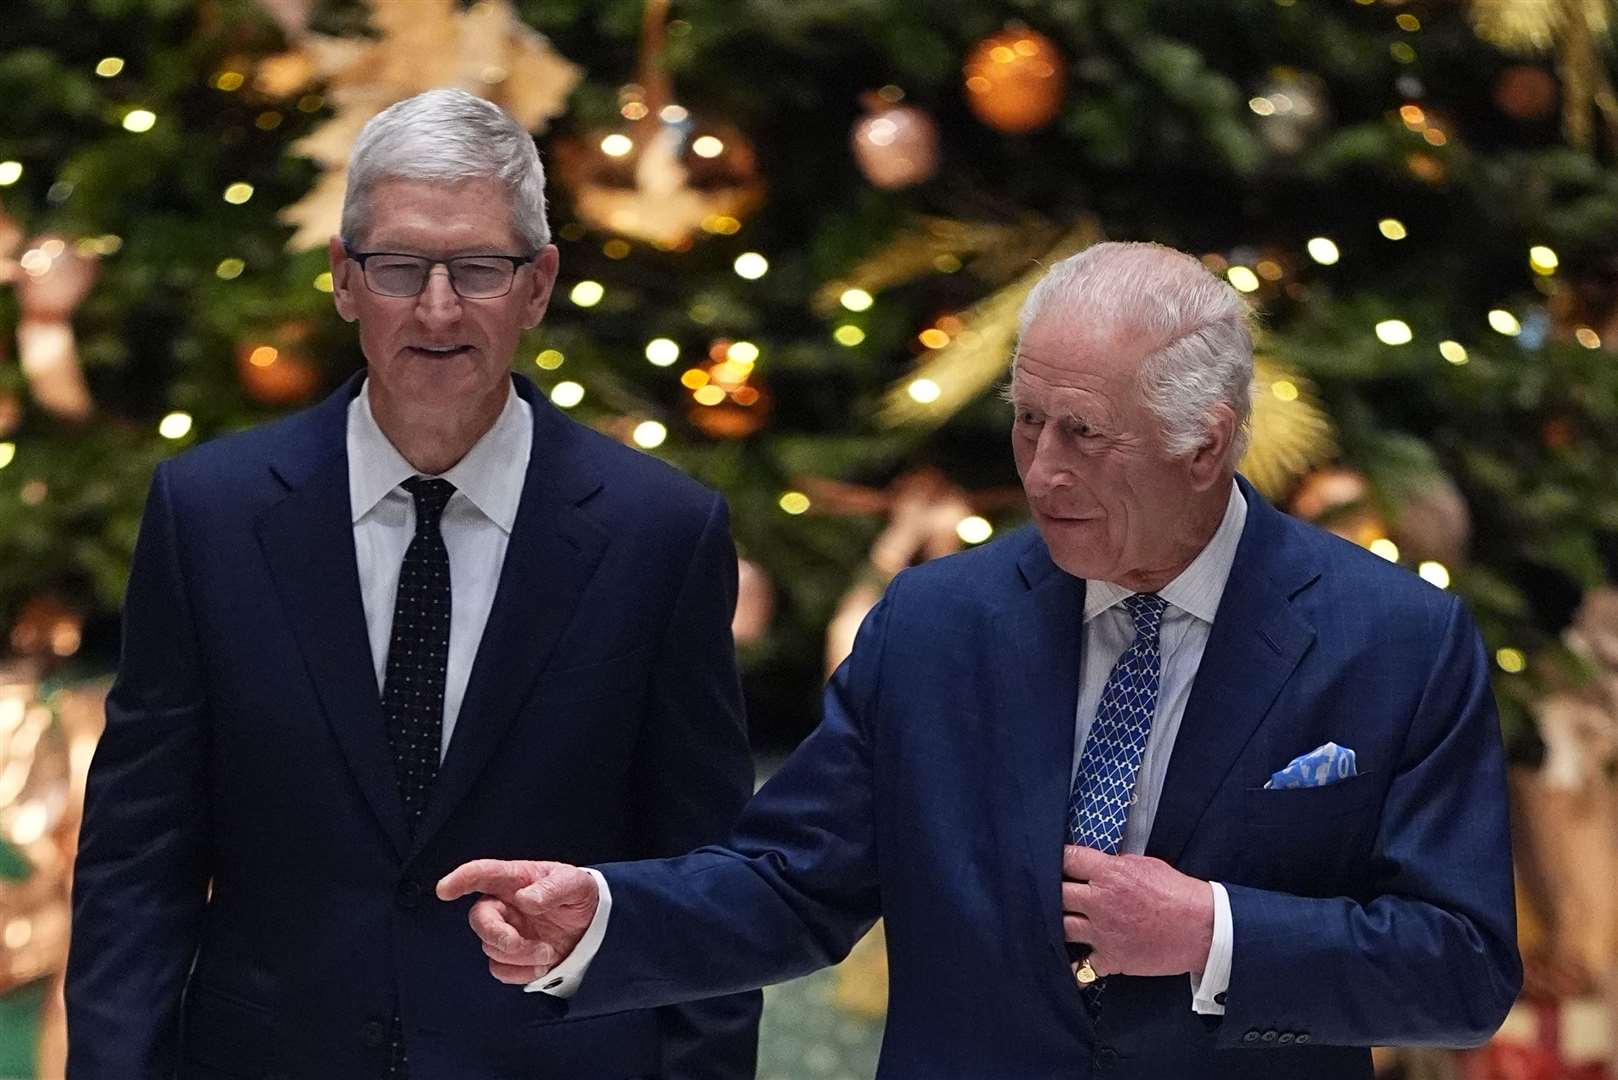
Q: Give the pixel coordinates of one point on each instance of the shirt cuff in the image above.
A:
(564, 979)
(1208, 987)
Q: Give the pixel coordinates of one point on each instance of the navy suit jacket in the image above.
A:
(249, 901)
(1377, 910)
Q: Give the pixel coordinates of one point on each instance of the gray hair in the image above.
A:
(449, 136)
(1206, 355)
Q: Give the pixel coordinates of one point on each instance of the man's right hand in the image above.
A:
(530, 916)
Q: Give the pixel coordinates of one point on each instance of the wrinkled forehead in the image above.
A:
(1061, 349)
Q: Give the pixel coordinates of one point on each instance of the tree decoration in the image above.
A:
(924, 509)
(896, 146)
(1290, 432)
(1339, 500)
(426, 44)
(278, 370)
(1432, 522)
(1292, 109)
(1015, 80)
(1575, 32)
(934, 245)
(1526, 92)
(976, 357)
(51, 278)
(45, 750)
(755, 603)
(665, 174)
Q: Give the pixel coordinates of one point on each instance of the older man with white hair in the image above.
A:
(1169, 785)
(428, 620)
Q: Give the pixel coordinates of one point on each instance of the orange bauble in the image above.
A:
(1015, 80)
(276, 370)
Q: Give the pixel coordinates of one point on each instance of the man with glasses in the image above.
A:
(429, 620)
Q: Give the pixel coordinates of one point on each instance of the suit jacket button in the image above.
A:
(374, 1034)
(1269, 1036)
(1284, 1038)
(410, 894)
(1251, 1036)
(1302, 1038)
(1106, 1057)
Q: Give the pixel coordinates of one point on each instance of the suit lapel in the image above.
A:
(1039, 639)
(554, 550)
(1255, 644)
(308, 540)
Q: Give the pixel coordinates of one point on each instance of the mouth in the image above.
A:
(439, 352)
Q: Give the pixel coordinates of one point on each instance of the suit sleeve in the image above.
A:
(1428, 955)
(141, 877)
(791, 891)
(694, 774)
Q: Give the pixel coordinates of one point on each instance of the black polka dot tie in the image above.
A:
(413, 686)
(418, 654)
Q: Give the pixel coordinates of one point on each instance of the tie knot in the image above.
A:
(1147, 611)
(430, 494)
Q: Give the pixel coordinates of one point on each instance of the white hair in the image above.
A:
(449, 136)
(1167, 296)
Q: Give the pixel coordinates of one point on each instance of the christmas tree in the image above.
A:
(794, 235)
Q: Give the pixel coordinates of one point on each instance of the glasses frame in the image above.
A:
(517, 263)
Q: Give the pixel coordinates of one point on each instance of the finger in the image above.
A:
(496, 876)
(1101, 965)
(1082, 863)
(1078, 929)
(515, 974)
(1077, 897)
(525, 954)
(555, 890)
(489, 923)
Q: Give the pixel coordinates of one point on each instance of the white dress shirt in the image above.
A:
(476, 526)
(1193, 598)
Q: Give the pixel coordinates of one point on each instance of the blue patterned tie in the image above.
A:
(1104, 785)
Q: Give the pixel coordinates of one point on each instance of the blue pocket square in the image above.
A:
(1323, 765)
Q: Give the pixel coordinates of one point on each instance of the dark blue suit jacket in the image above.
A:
(1376, 910)
(249, 901)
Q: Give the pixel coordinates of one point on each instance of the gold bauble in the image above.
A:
(1015, 80)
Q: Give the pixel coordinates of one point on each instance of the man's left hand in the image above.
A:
(1139, 916)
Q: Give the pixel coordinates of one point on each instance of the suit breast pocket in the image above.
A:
(1282, 808)
(621, 674)
(1308, 841)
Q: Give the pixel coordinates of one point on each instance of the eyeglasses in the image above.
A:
(473, 277)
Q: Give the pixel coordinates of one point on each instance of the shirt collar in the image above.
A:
(1198, 588)
(490, 475)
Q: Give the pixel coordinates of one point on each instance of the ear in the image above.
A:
(344, 277)
(542, 282)
(1210, 462)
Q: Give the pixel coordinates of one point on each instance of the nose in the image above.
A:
(1050, 469)
(439, 305)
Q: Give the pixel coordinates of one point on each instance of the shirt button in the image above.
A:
(1219, 998)
(409, 894)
